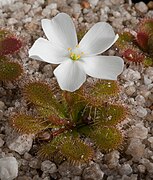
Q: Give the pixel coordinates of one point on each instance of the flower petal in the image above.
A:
(43, 50)
(70, 75)
(60, 30)
(98, 39)
(103, 67)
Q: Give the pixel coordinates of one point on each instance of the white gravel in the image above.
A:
(136, 160)
(8, 168)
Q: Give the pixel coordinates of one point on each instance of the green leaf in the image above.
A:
(76, 151)
(44, 112)
(107, 138)
(53, 119)
(148, 61)
(110, 115)
(75, 104)
(51, 149)
(3, 34)
(41, 95)
(28, 124)
(124, 39)
(97, 92)
(9, 71)
(146, 26)
(85, 129)
(106, 115)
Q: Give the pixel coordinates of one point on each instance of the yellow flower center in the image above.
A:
(75, 54)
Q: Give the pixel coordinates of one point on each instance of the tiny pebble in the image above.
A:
(48, 167)
(141, 7)
(125, 169)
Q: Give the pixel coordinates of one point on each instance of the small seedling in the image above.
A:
(138, 48)
(9, 44)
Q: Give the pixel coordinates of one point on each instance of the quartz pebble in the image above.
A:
(52, 6)
(77, 9)
(141, 168)
(130, 90)
(142, 7)
(27, 8)
(16, 6)
(48, 167)
(50, 10)
(131, 75)
(12, 21)
(27, 156)
(125, 169)
(8, 168)
(19, 143)
(141, 112)
(34, 163)
(104, 16)
(93, 2)
(149, 72)
(6, 2)
(76, 178)
(138, 131)
(2, 105)
(48, 70)
(140, 100)
(93, 172)
(135, 149)
(151, 141)
(148, 165)
(150, 5)
(65, 169)
(112, 159)
(147, 80)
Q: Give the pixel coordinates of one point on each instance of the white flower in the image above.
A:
(77, 60)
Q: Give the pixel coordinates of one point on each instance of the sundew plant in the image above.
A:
(64, 119)
(10, 69)
(137, 46)
(64, 116)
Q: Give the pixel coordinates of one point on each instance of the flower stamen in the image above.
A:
(75, 54)
(69, 49)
